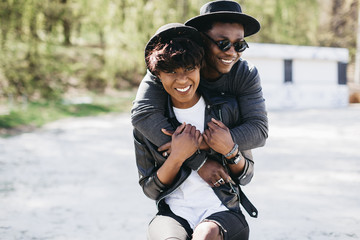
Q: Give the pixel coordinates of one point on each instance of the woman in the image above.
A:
(188, 207)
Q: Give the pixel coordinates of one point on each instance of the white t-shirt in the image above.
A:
(194, 200)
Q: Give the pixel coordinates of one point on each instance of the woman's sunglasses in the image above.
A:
(225, 45)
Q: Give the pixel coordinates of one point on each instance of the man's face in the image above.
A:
(217, 61)
(181, 84)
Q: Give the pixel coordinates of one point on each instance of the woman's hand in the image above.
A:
(212, 171)
(166, 148)
(185, 142)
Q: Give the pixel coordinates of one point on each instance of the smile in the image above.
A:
(227, 61)
(183, 89)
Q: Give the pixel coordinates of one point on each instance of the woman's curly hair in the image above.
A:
(177, 53)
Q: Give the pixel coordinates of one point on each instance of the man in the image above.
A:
(224, 28)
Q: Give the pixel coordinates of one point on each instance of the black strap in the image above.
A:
(248, 206)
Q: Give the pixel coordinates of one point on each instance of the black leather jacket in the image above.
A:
(149, 160)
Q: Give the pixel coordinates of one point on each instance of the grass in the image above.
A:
(35, 114)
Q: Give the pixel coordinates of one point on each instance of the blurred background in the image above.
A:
(63, 58)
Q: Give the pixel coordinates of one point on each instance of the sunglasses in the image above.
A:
(225, 45)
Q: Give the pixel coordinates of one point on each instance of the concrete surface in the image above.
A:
(76, 179)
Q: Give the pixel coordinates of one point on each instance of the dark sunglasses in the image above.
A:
(225, 45)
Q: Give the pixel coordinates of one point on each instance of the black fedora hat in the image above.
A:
(224, 10)
(170, 31)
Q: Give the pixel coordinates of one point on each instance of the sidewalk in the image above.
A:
(76, 179)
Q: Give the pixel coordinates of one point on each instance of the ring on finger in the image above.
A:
(220, 181)
(165, 154)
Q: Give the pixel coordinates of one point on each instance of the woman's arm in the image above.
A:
(248, 170)
(147, 166)
(153, 179)
(185, 142)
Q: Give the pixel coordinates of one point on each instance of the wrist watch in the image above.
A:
(234, 160)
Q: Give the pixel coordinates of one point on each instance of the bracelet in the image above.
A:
(232, 151)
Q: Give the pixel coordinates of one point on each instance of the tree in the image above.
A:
(357, 60)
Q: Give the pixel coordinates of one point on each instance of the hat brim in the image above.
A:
(165, 35)
(251, 25)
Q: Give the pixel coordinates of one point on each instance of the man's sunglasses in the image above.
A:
(225, 45)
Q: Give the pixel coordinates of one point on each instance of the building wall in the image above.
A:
(298, 77)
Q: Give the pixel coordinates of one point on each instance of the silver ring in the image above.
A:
(165, 154)
(220, 181)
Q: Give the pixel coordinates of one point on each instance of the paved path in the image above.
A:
(76, 179)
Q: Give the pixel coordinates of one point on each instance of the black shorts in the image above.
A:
(167, 225)
(232, 224)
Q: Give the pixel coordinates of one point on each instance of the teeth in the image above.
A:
(183, 89)
(227, 61)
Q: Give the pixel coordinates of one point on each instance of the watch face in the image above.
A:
(237, 160)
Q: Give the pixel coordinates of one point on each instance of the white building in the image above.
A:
(298, 77)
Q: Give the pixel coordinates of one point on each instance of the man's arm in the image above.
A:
(218, 137)
(253, 130)
(148, 111)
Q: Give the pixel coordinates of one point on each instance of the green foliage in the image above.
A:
(285, 22)
(51, 47)
(40, 112)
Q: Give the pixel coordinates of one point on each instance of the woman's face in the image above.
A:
(181, 84)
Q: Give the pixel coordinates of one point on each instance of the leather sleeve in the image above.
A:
(147, 168)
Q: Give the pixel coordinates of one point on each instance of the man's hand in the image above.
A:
(212, 172)
(218, 137)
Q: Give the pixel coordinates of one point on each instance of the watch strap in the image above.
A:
(234, 160)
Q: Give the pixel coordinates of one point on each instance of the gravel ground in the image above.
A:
(76, 179)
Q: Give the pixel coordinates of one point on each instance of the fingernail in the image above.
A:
(230, 180)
